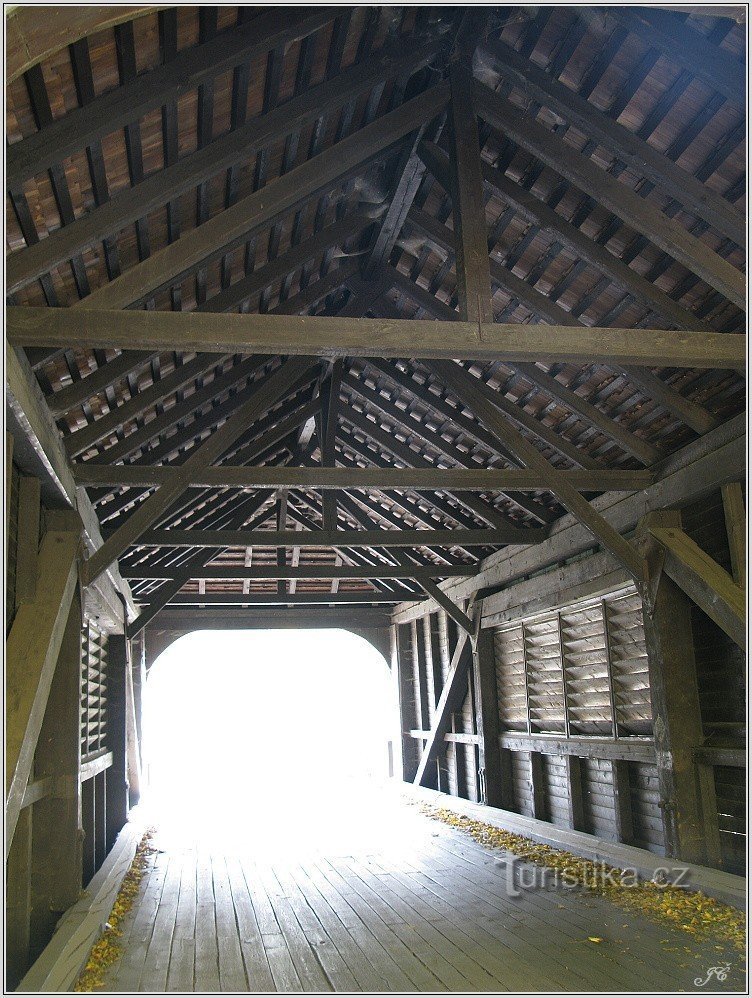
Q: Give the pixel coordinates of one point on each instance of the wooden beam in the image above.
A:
(89, 474)
(629, 148)
(282, 599)
(122, 105)
(677, 722)
(224, 153)
(645, 452)
(56, 856)
(304, 572)
(32, 652)
(692, 473)
(464, 386)
(704, 581)
(39, 451)
(330, 403)
(336, 538)
(493, 786)
(538, 213)
(27, 552)
(447, 605)
(333, 336)
(664, 232)
(736, 531)
(232, 227)
(630, 750)
(473, 275)
(717, 68)
(451, 699)
(265, 395)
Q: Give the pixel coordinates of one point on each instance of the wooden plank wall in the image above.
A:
(425, 648)
(575, 716)
(37, 895)
(721, 674)
(576, 673)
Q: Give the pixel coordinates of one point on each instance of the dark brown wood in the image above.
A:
(32, 651)
(329, 478)
(630, 149)
(704, 581)
(473, 275)
(674, 697)
(664, 232)
(339, 337)
(340, 538)
(494, 784)
(462, 383)
(203, 456)
(27, 556)
(306, 572)
(123, 105)
(452, 696)
(251, 214)
(538, 213)
(56, 855)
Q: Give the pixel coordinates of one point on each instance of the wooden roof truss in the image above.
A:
(329, 306)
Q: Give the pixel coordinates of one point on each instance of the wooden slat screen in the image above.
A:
(578, 671)
(93, 692)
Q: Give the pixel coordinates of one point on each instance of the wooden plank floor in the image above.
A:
(379, 898)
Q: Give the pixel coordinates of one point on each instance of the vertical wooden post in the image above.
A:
(118, 660)
(736, 523)
(677, 724)
(575, 808)
(470, 231)
(538, 785)
(624, 827)
(406, 700)
(487, 719)
(56, 840)
(18, 902)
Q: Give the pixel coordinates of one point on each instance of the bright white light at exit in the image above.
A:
(237, 723)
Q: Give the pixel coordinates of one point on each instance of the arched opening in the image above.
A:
(238, 725)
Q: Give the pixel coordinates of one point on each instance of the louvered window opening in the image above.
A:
(93, 693)
(578, 671)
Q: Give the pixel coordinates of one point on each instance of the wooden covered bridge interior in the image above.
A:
(423, 322)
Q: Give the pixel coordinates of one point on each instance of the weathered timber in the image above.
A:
(305, 572)
(339, 538)
(736, 530)
(452, 696)
(538, 213)
(282, 599)
(56, 855)
(704, 581)
(628, 749)
(106, 219)
(332, 336)
(675, 703)
(491, 772)
(473, 275)
(127, 103)
(32, 652)
(233, 227)
(204, 455)
(630, 149)
(39, 451)
(664, 232)
(662, 29)
(464, 386)
(27, 556)
(450, 479)
(692, 473)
